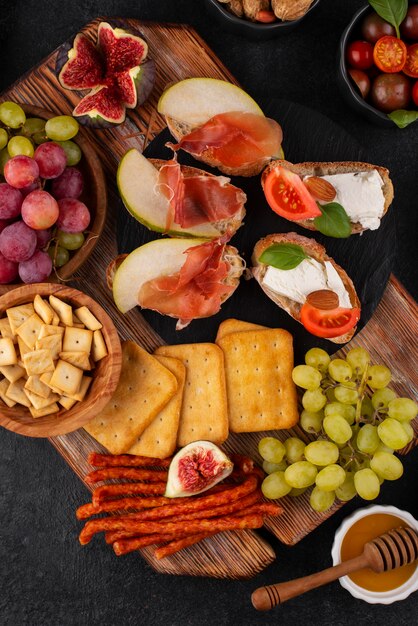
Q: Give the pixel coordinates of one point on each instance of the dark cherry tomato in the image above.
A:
(415, 93)
(360, 55)
(389, 54)
(409, 27)
(390, 92)
(411, 65)
(374, 27)
(362, 81)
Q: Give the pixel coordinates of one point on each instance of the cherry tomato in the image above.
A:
(415, 93)
(360, 55)
(362, 81)
(288, 196)
(390, 92)
(411, 65)
(409, 27)
(374, 27)
(330, 323)
(389, 54)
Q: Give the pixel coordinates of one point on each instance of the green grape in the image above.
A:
(294, 449)
(20, 145)
(306, 377)
(331, 477)
(315, 357)
(4, 138)
(314, 401)
(378, 376)
(337, 428)
(12, 115)
(346, 395)
(301, 474)
(59, 256)
(271, 449)
(382, 448)
(392, 433)
(368, 439)
(321, 500)
(294, 493)
(40, 137)
(367, 407)
(409, 430)
(275, 486)
(367, 484)
(346, 411)
(4, 157)
(31, 126)
(340, 370)
(386, 466)
(330, 393)
(321, 453)
(61, 128)
(402, 409)
(72, 150)
(382, 397)
(347, 490)
(70, 241)
(358, 358)
(311, 422)
(269, 468)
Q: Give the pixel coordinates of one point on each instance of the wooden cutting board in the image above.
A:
(181, 53)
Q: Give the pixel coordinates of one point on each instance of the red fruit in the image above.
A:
(17, 242)
(37, 268)
(8, 270)
(374, 27)
(10, 202)
(21, 171)
(74, 216)
(68, 185)
(391, 92)
(40, 210)
(51, 159)
(362, 81)
(360, 55)
(409, 27)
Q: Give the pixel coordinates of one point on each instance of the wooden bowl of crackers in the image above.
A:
(60, 359)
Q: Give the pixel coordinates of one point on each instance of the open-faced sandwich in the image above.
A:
(298, 275)
(337, 199)
(221, 125)
(182, 278)
(177, 199)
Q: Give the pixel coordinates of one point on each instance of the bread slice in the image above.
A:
(229, 225)
(330, 168)
(317, 252)
(181, 129)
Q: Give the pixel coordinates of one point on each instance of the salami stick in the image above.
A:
(110, 492)
(129, 473)
(180, 544)
(151, 540)
(123, 504)
(125, 460)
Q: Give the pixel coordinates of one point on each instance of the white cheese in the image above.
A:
(302, 280)
(361, 195)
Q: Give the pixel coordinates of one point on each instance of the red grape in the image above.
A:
(36, 269)
(39, 210)
(43, 237)
(17, 242)
(8, 270)
(10, 202)
(68, 185)
(21, 171)
(51, 159)
(74, 216)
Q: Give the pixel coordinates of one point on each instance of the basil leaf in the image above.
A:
(393, 11)
(283, 256)
(403, 118)
(334, 221)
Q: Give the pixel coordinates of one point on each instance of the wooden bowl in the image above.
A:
(105, 375)
(94, 196)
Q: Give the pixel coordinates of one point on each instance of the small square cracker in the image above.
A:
(258, 369)
(233, 325)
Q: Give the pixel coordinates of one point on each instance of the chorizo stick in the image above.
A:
(123, 504)
(129, 473)
(180, 544)
(125, 460)
(109, 492)
(150, 540)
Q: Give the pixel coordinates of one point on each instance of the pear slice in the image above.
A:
(137, 181)
(162, 257)
(195, 100)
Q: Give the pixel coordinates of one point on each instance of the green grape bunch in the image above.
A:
(358, 423)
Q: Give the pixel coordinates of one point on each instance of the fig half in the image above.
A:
(195, 468)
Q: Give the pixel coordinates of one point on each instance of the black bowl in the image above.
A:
(252, 30)
(348, 88)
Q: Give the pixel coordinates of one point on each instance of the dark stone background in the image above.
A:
(46, 577)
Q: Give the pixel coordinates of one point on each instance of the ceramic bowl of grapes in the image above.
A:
(52, 196)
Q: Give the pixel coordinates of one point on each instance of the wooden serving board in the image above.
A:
(181, 53)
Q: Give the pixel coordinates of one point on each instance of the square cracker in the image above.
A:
(159, 439)
(145, 386)
(233, 325)
(204, 412)
(258, 369)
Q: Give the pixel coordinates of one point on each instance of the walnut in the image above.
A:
(287, 10)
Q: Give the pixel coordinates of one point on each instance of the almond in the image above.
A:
(320, 188)
(323, 299)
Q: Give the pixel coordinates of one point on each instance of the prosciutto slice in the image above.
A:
(197, 290)
(234, 139)
(198, 199)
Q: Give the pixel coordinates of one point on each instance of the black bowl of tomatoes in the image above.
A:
(377, 69)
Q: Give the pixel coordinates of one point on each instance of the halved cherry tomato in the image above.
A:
(415, 93)
(411, 65)
(328, 324)
(389, 54)
(288, 196)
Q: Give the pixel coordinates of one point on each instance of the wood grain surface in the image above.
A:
(390, 337)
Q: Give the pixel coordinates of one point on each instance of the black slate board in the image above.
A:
(368, 259)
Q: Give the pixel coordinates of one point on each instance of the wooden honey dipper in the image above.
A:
(395, 548)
